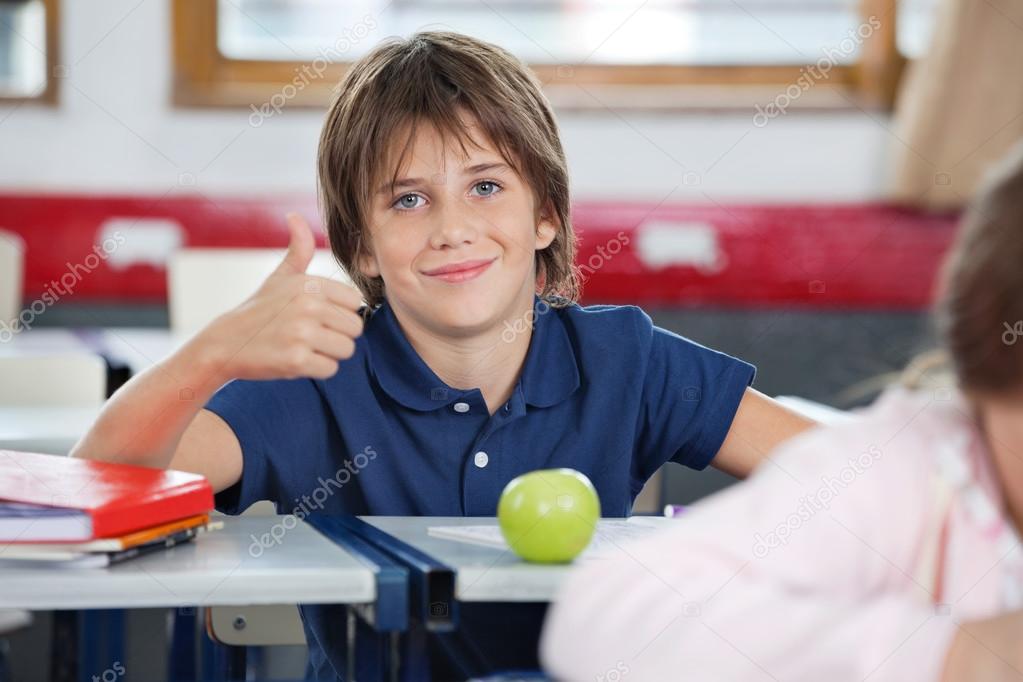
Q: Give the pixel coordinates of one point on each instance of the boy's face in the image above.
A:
(455, 241)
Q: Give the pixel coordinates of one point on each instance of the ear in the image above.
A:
(547, 227)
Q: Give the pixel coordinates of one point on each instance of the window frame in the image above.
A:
(203, 77)
(49, 95)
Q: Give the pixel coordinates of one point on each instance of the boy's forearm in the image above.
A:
(759, 426)
(143, 421)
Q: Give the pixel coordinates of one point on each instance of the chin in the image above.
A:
(464, 314)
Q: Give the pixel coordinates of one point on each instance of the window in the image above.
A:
(654, 53)
(27, 46)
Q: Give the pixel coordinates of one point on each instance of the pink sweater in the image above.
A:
(852, 553)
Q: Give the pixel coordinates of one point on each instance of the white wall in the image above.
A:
(115, 131)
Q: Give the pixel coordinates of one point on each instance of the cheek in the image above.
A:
(519, 237)
(397, 262)
(393, 246)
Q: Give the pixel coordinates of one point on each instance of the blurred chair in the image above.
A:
(52, 380)
(204, 283)
(273, 625)
(12, 263)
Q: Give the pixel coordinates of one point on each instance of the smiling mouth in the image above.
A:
(460, 272)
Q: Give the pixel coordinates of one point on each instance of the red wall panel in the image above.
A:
(849, 255)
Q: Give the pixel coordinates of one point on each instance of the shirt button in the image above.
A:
(481, 459)
(461, 408)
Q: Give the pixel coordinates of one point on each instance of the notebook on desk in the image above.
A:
(608, 538)
(97, 553)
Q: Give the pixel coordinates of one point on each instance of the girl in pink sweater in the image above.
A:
(886, 547)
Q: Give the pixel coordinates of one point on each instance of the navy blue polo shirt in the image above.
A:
(602, 390)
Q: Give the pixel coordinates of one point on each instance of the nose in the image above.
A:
(455, 225)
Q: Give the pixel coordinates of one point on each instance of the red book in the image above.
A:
(52, 498)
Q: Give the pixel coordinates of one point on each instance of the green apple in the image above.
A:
(549, 516)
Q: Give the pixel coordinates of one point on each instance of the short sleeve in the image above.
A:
(689, 398)
(277, 423)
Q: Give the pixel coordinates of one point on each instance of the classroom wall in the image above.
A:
(115, 131)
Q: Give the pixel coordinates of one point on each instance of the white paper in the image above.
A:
(610, 536)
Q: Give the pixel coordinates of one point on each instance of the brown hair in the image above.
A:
(980, 308)
(428, 78)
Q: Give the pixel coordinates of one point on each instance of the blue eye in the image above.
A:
(487, 188)
(407, 202)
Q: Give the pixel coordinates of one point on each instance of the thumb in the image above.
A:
(301, 246)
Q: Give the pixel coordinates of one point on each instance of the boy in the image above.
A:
(445, 194)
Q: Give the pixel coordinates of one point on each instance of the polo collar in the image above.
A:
(549, 375)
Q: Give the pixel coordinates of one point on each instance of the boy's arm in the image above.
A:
(157, 420)
(760, 424)
(295, 325)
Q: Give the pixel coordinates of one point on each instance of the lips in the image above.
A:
(459, 267)
(461, 271)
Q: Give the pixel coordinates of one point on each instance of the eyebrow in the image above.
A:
(468, 170)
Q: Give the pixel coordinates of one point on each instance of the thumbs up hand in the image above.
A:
(295, 325)
(301, 247)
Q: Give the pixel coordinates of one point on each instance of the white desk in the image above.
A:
(819, 412)
(215, 569)
(138, 348)
(50, 430)
(55, 429)
(483, 573)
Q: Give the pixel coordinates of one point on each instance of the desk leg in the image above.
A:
(220, 662)
(194, 656)
(64, 635)
(181, 663)
(394, 660)
(382, 649)
(100, 644)
(223, 663)
(351, 624)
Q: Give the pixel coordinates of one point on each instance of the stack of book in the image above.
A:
(64, 511)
